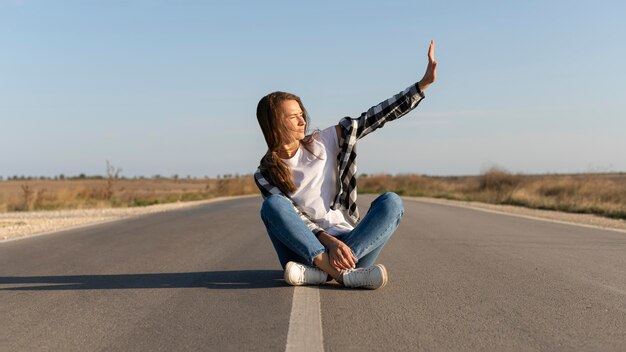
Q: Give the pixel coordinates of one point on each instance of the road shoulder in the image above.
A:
(586, 220)
(17, 225)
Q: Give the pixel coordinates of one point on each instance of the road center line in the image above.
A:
(305, 321)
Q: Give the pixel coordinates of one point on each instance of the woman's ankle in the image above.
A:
(323, 263)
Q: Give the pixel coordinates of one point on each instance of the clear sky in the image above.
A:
(171, 87)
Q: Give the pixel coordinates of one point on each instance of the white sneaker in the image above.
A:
(297, 274)
(372, 277)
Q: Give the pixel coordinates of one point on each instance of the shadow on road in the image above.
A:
(225, 280)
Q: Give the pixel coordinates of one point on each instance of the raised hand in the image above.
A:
(431, 70)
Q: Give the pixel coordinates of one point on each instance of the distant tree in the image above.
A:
(27, 193)
(113, 174)
(61, 177)
(82, 176)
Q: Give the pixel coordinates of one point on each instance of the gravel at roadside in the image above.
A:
(22, 224)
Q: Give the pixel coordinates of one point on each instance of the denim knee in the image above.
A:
(393, 203)
(273, 203)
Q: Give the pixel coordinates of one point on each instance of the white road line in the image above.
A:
(305, 321)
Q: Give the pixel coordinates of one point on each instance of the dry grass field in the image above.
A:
(600, 194)
(25, 195)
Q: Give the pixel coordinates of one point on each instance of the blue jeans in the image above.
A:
(293, 241)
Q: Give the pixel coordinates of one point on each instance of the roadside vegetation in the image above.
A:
(76, 193)
(602, 194)
(590, 193)
(20, 193)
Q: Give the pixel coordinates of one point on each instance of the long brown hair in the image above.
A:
(277, 134)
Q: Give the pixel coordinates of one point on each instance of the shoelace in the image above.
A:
(302, 275)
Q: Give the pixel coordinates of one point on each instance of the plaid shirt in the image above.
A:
(352, 129)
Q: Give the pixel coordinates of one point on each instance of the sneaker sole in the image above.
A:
(385, 278)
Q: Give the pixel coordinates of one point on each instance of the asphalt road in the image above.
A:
(206, 279)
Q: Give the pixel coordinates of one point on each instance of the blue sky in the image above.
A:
(171, 87)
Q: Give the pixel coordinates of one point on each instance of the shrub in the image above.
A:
(496, 179)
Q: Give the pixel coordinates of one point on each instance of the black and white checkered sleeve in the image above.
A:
(389, 110)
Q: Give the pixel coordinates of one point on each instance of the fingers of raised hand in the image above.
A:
(431, 51)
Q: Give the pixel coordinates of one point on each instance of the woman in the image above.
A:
(309, 189)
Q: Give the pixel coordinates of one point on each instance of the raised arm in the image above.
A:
(431, 70)
(392, 108)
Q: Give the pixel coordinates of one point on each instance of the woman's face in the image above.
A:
(294, 118)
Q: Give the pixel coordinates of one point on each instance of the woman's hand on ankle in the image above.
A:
(339, 253)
